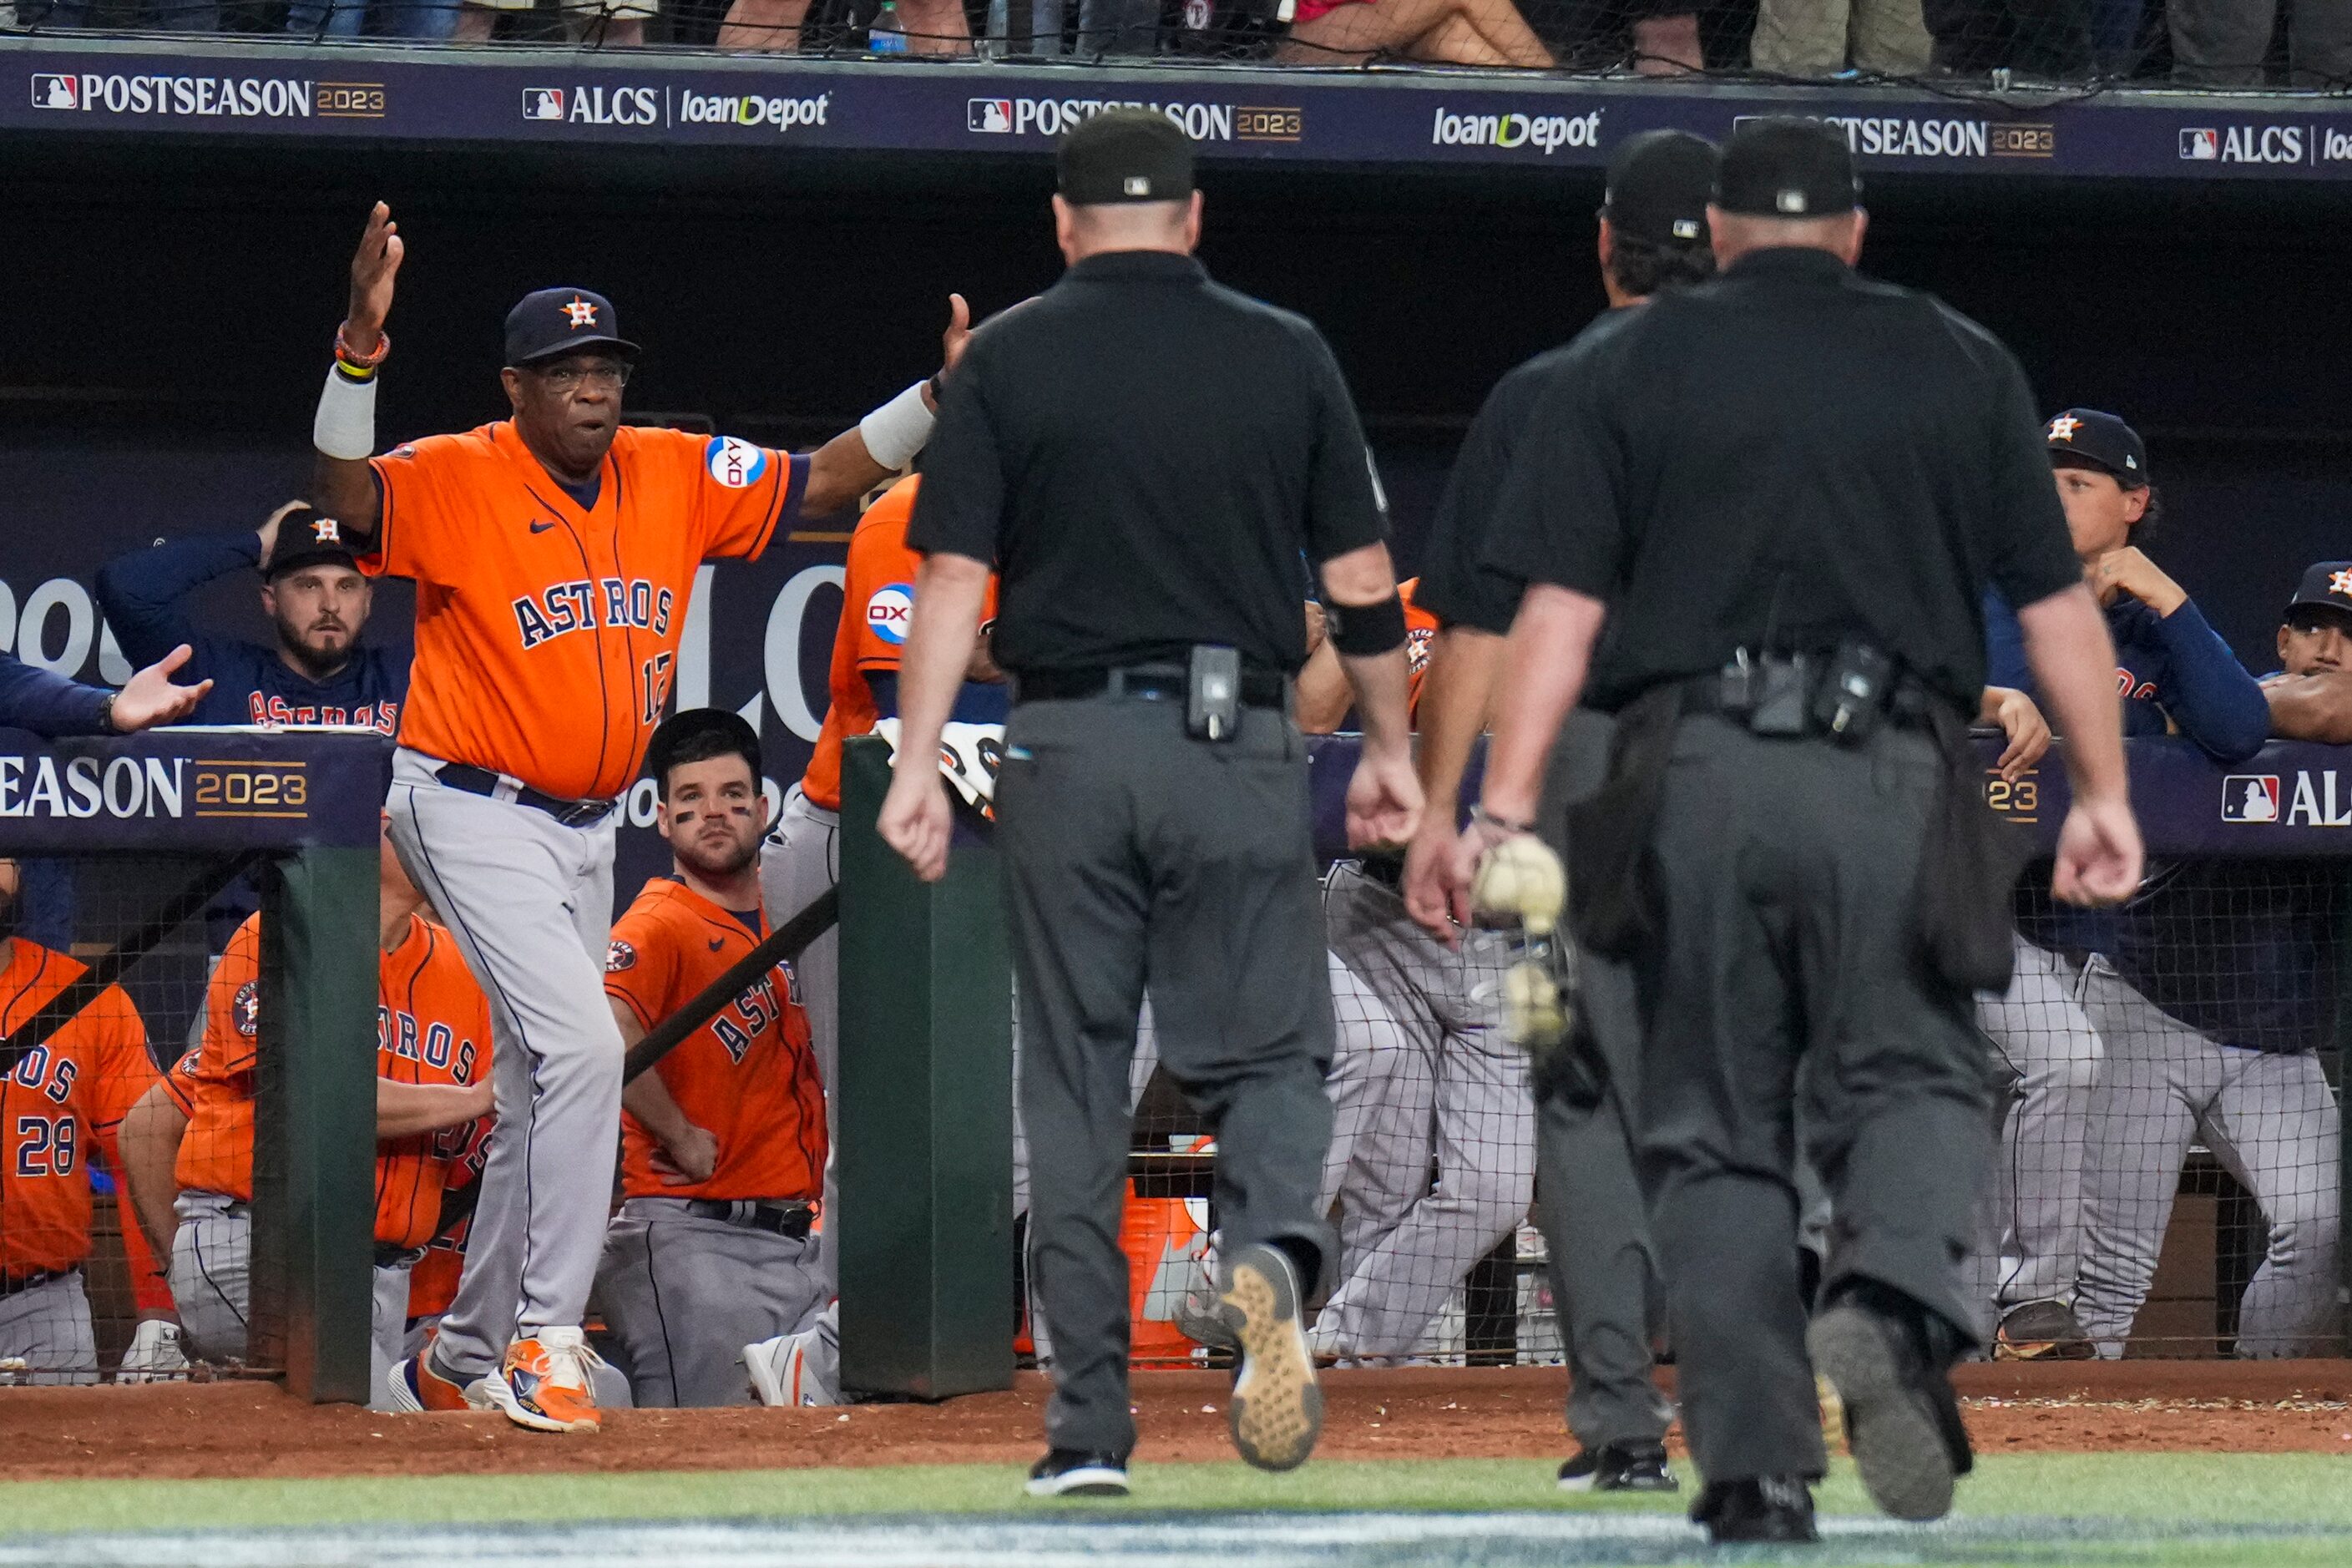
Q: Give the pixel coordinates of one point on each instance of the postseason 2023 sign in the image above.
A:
(196, 87)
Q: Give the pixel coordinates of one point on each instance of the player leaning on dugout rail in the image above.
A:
(555, 553)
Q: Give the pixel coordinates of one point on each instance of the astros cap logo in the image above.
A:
(582, 312)
(326, 531)
(2341, 583)
(2062, 428)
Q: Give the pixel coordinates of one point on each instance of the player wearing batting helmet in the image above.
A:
(723, 1140)
(553, 554)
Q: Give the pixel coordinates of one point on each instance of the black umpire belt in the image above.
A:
(482, 781)
(791, 1221)
(1908, 704)
(1143, 683)
(17, 1284)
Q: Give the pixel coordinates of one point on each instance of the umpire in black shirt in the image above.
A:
(1145, 458)
(1784, 491)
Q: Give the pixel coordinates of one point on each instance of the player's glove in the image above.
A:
(154, 1355)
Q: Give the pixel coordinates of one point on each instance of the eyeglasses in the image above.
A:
(603, 377)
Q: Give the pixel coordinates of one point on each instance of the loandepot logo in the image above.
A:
(1052, 116)
(781, 114)
(2317, 800)
(1548, 134)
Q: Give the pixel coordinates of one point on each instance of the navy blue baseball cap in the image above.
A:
(2327, 586)
(556, 321)
(2086, 438)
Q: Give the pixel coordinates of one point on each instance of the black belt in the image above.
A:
(482, 781)
(1908, 704)
(392, 1255)
(1148, 683)
(791, 1221)
(17, 1284)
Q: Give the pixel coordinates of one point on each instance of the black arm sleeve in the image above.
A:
(1346, 508)
(1561, 518)
(960, 508)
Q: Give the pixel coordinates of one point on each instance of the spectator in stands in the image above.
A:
(1817, 38)
(2224, 43)
(932, 26)
(319, 672)
(61, 1100)
(1445, 32)
(2046, 39)
(49, 705)
(2175, 674)
(191, 1134)
(432, 20)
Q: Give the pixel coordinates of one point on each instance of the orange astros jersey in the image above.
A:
(878, 606)
(1420, 633)
(748, 1077)
(66, 1095)
(546, 634)
(433, 1025)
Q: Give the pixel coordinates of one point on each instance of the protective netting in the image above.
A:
(2170, 1165)
(96, 1147)
(2232, 44)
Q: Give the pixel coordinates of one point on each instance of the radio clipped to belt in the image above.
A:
(1842, 696)
(1213, 693)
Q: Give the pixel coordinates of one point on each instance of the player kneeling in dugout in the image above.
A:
(723, 1140)
(192, 1134)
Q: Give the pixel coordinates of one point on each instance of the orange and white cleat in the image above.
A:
(547, 1383)
(417, 1387)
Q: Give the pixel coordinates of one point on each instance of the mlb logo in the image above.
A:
(56, 92)
(988, 116)
(890, 612)
(2201, 146)
(2250, 798)
(542, 104)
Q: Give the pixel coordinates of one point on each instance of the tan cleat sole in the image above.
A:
(1276, 1411)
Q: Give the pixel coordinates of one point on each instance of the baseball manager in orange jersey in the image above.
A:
(553, 554)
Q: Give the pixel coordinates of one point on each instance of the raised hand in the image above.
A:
(270, 531)
(959, 332)
(373, 268)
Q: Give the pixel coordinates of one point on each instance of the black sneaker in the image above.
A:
(1756, 1508)
(1902, 1419)
(2041, 1330)
(1619, 1467)
(1067, 1472)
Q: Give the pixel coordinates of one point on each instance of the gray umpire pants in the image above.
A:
(1787, 870)
(1589, 1201)
(1131, 850)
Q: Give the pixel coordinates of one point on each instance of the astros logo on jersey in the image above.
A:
(248, 1010)
(890, 612)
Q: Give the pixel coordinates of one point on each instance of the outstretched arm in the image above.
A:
(883, 443)
(343, 483)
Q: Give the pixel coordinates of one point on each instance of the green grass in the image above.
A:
(2157, 1491)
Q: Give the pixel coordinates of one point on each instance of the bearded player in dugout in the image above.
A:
(553, 554)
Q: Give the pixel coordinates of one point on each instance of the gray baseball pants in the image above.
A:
(684, 1293)
(800, 861)
(1378, 1163)
(2269, 1118)
(1461, 1088)
(47, 1328)
(211, 1279)
(530, 903)
(1129, 848)
(2046, 1042)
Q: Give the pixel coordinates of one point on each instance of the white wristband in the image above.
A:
(895, 431)
(345, 426)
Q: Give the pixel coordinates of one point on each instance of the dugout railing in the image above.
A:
(121, 845)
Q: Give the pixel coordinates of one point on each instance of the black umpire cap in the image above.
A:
(307, 537)
(1778, 166)
(1659, 185)
(1125, 155)
(726, 733)
(554, 322)
(2088, 438)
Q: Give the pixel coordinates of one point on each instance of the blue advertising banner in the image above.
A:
(256, 89)
(198, 790)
